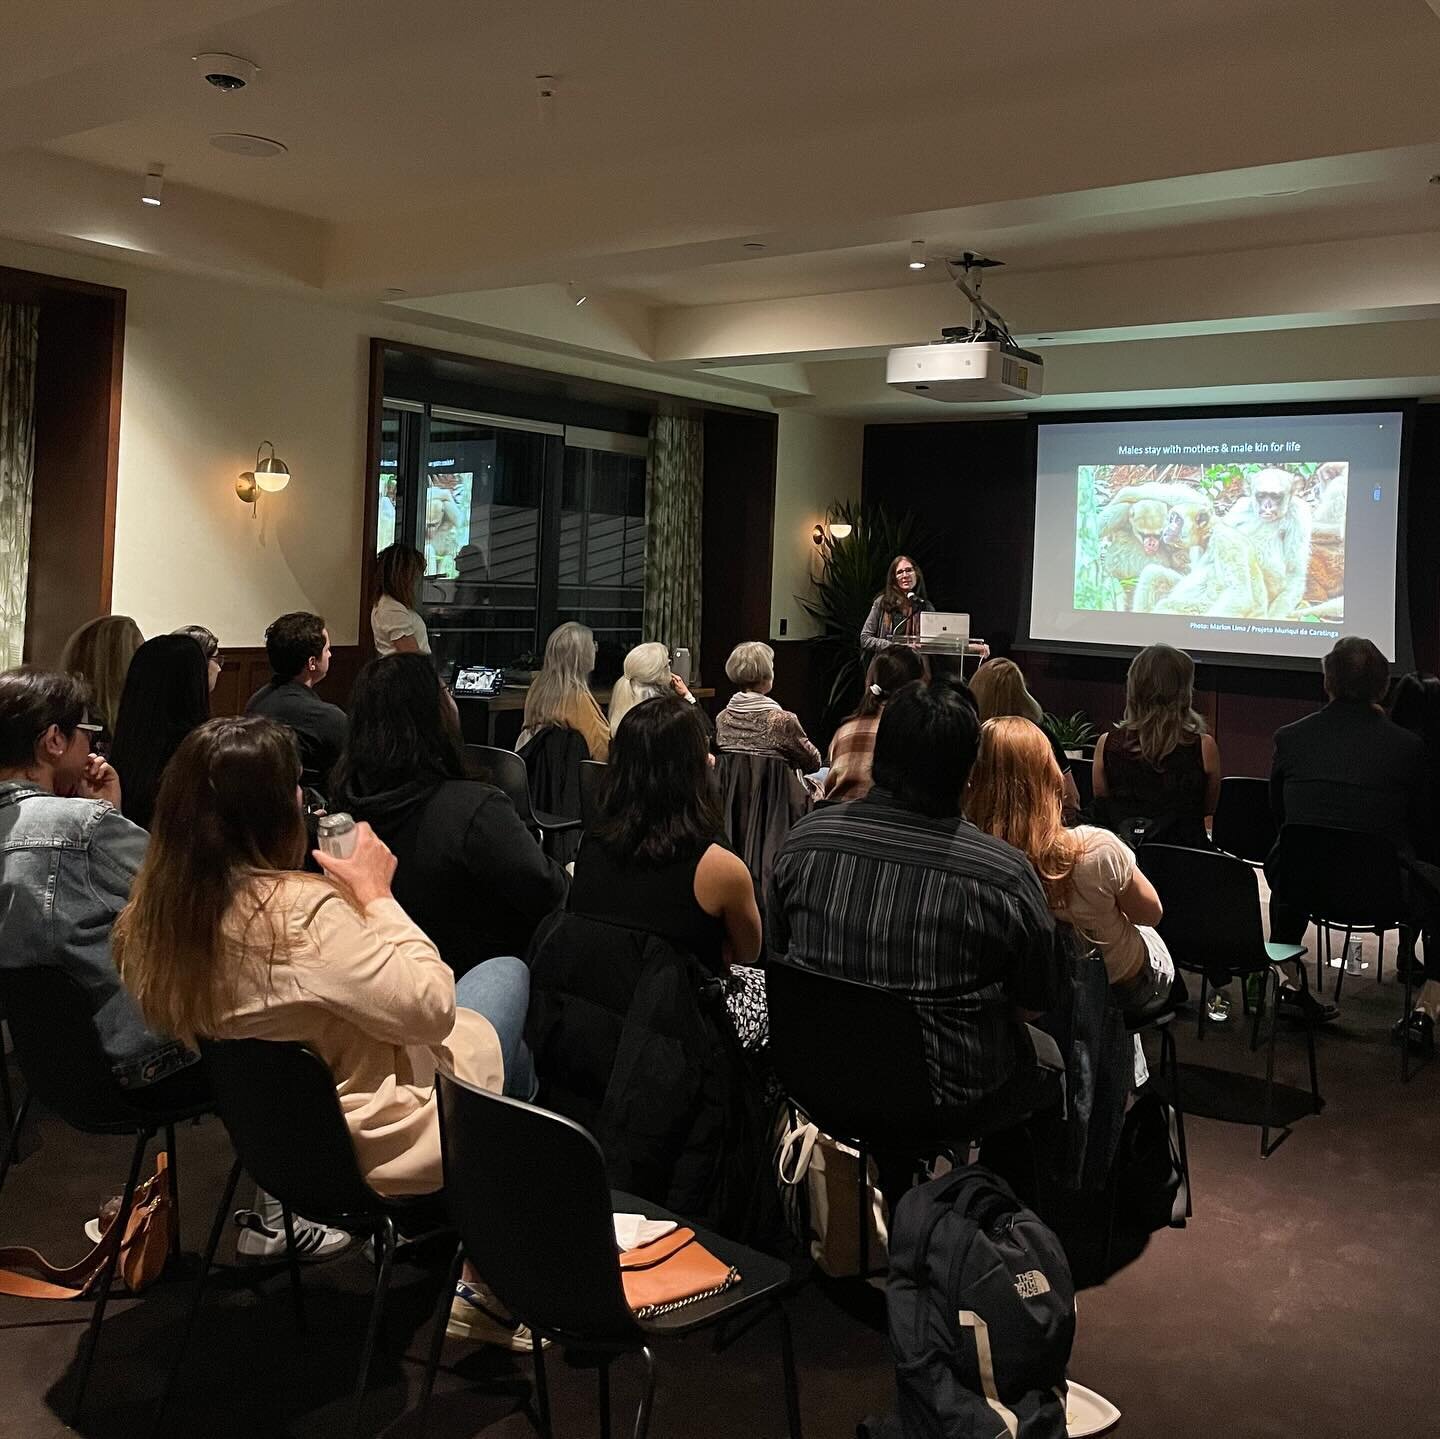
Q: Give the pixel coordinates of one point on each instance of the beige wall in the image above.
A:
(211, 369)
(817, 464)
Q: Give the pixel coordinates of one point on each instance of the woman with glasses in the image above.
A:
(897, 608)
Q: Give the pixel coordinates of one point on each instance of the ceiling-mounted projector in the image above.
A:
(966, 371)
(969, 364)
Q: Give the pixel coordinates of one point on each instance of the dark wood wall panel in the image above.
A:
(970, 485)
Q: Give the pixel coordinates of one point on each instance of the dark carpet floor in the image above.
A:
(1301, 1300)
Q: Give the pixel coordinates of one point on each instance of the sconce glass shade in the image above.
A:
(840, 531)
(272, 475)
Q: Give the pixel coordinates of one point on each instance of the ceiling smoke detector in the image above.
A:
(256, 147)
(226, 72)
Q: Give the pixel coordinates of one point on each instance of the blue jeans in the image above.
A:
(500, 990)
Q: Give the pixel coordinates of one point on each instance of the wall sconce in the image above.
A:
(837, 531)
(270, 475)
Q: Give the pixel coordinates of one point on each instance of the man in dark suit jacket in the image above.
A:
(1348, 766)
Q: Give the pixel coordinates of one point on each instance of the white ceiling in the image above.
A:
(1206, 168)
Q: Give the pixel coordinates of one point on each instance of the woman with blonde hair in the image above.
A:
(396, 624)
(100, 652)
(560, 693)
(1090, 877)
(1157, 773)
(999, 689)
(647, 676)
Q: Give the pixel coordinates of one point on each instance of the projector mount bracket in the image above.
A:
(986, 322)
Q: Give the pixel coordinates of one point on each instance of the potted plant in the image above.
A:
(1073, 733)
(852, 573)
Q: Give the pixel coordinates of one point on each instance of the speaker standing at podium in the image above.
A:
(896, 611)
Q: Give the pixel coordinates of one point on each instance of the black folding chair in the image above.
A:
(1161, 1022)
(592, 775)
(527, 1191)
(63, 1066)
(278, 1104)
(506, 771)
(1083, 773)
(1213, 927)
(1244, 824)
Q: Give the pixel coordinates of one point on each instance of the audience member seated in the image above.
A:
(166, 695)
(298, 648)
(469, 873)
(67, 859)
(646, 676)
(999, 689)
(628, 1017)
(1347, 766)
(1415, 706)
(1090, 877)
(224, 937)
(852, 749)
(897, 889)
(560, 694)
(209, 647)
(753, 723)
(100, 653)
(1157, 773)
(395, 624)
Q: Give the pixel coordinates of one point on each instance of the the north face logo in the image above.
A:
(1031, 1284)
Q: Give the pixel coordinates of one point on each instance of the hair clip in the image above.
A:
(876, 691)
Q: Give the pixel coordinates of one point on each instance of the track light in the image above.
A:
(577, 293)
(917, 254)
(154, 185)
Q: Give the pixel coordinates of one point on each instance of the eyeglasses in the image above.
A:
(904, 570)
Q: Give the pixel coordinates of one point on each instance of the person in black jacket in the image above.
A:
(298, 648)
(469, 874)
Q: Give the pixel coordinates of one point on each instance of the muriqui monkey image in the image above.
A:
(1325, 582)
(1278, 525)
(1225, 579)
(1131, 531)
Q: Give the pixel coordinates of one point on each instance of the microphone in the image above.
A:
(912, 595)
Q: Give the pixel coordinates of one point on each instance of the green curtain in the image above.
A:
(674, 490)
(19, 335)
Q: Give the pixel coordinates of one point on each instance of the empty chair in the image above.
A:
(59, 1056)
(1244, 823)
(1213, 927)
(592, 775)
(308, 1163)
(528, 1193)
(510, 773)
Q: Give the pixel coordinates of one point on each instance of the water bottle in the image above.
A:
(336, 835)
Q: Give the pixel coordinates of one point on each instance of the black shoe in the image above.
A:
(1417, 1030)
(1310, 1009)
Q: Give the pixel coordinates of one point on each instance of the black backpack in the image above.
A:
(982, 1313)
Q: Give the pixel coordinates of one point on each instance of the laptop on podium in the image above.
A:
(946, 628)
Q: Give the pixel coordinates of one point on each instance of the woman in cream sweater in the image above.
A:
(224, 937)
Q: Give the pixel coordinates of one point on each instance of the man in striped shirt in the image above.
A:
(899, 890)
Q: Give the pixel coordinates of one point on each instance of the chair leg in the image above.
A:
(437, 1340)
(1265, 1148)
(1405, 1013)
(542, 1390)
(1322, 956)
(172, 1168)
(1259, 1015)
(602, 1385)
(385, 1253)
(217, 1228)
(1344, 955)
(647, 1399)
(1204, 1008)
(292, 1263)
(787, 1366)
(12, 1140)
(1380, 955)
(107, 1277)
(1170, 1055)
(862, 1233)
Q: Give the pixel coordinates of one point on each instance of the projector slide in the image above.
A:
(1260, 538)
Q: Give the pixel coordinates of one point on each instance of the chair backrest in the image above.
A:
(278, 1103)
(851, 1055)
(1212, 918)
(1337, 874)
(527, 1191)
(1244, 822)
(592, 775)
(760, 798)
(58, 1049)
(506, 771)
(1083, 771)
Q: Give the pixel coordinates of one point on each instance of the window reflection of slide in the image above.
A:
(1230, 541)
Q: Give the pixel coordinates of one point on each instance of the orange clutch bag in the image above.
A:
(671, 1273)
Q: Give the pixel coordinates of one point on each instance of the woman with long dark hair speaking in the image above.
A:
(897, 608)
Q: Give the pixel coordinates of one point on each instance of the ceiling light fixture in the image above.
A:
(754, 245)
(577, 293)
(253, 147)
(154, 185)
(917, 254)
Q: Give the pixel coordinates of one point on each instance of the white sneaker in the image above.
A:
(259, 1243)
(475, 1315)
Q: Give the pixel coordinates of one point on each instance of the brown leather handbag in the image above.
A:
(674, 1271)
(143, 1249)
